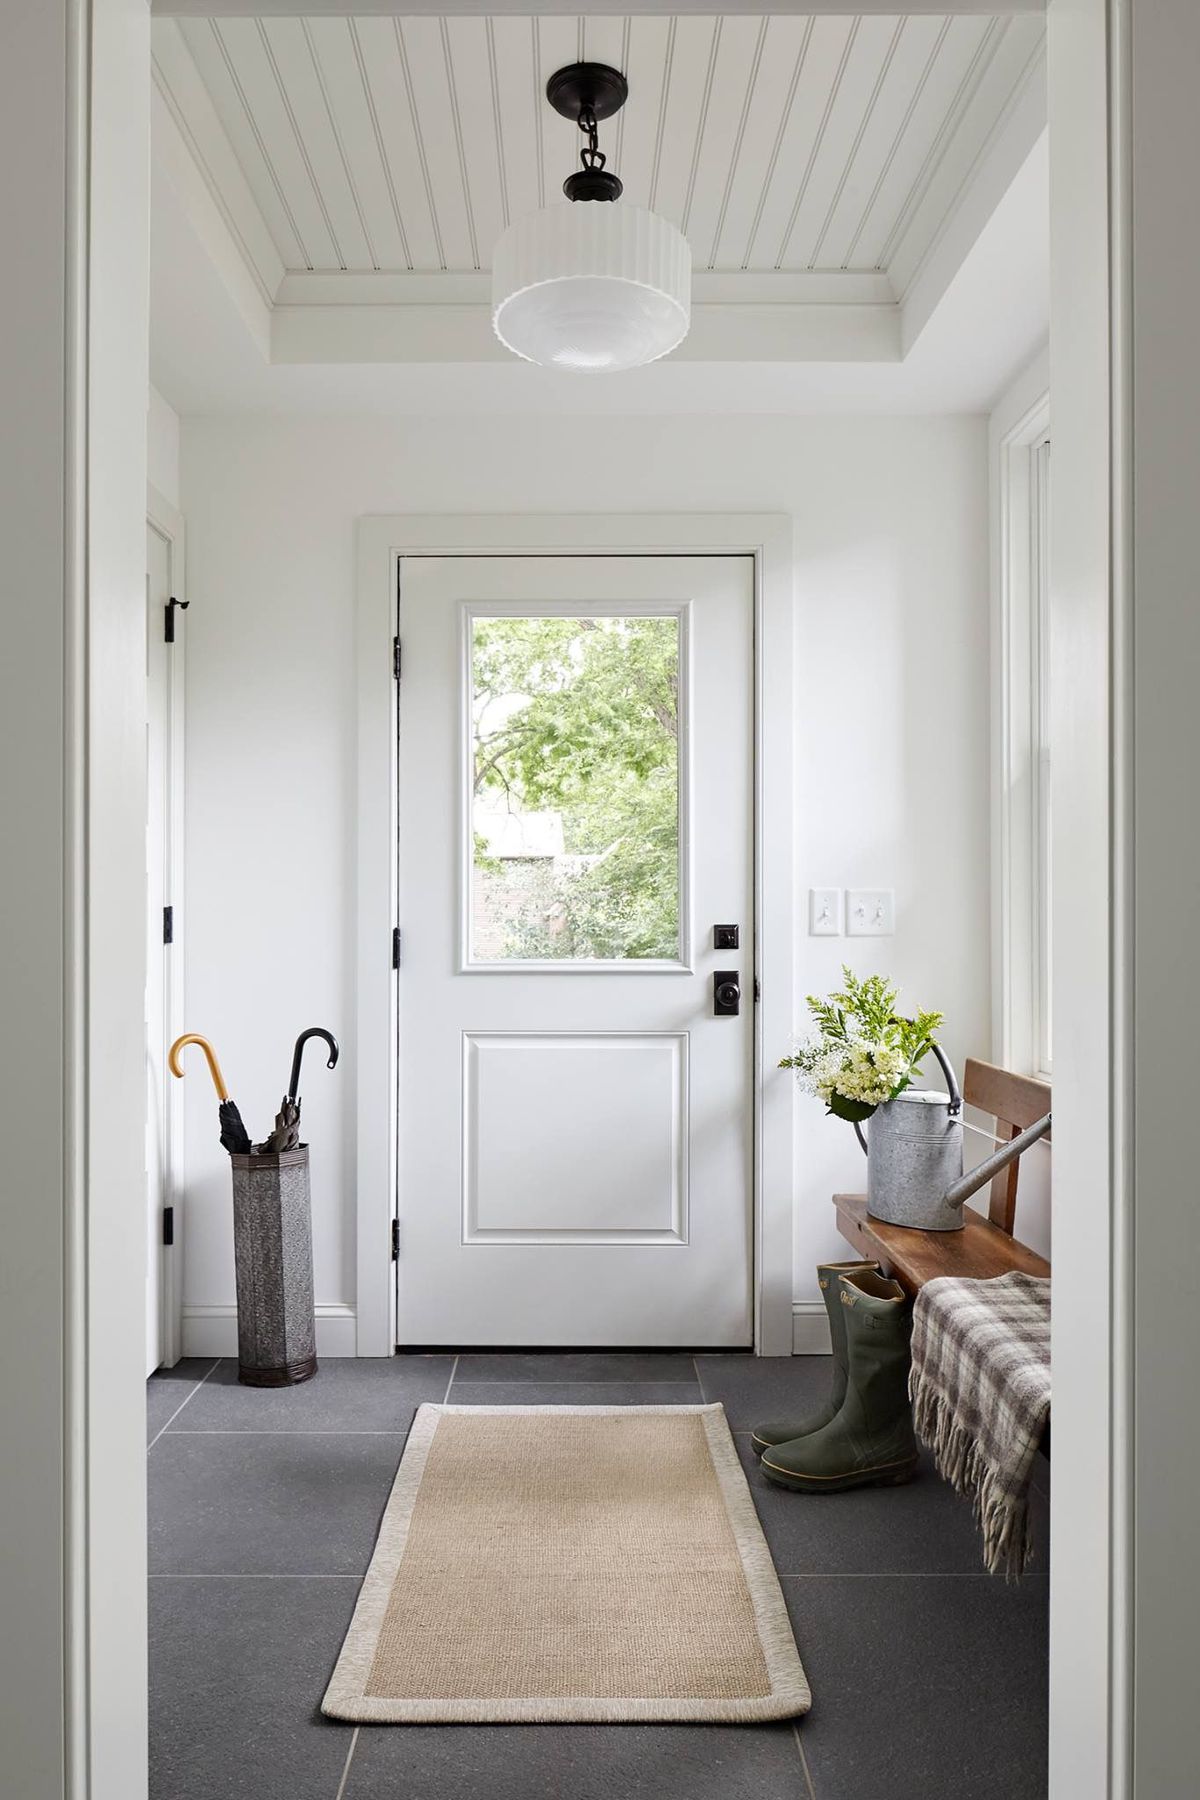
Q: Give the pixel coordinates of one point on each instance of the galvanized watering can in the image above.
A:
(914, 1147)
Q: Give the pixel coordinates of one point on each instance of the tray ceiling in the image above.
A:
(808, 159)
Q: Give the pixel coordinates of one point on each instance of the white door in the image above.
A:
(158, 855)
(575, 816)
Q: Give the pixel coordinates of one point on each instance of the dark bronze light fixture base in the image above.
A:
(587, 87)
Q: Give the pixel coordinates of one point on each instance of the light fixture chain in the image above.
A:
(591, 156)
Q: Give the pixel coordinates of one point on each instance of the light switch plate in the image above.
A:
(870, 912)
(825, 912)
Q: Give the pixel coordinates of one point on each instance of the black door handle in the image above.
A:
(727, 994)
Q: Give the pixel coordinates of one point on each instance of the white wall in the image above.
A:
(74, 159)
(162, 447)
(892, 739)
(1158, 710)
(36, 506)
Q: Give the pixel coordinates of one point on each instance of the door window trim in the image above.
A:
(683, 963)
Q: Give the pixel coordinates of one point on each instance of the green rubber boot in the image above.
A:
(782, 1431)
(870, 1442)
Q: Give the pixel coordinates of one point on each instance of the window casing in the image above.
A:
(1022, 762)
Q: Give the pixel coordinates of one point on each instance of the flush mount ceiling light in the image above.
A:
(590, 286)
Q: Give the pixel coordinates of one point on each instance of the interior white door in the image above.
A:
(575, 819)
(158, 851)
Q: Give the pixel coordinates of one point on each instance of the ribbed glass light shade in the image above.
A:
(591, 285)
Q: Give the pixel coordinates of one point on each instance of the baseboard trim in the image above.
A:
(810, 1328)
(212, 1330)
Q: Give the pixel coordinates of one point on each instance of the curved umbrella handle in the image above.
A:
(312, 1032)
(214, 1067)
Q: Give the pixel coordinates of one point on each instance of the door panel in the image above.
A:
(562, 1091)
(575, 817)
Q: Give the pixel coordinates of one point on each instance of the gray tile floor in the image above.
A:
(929, 1677)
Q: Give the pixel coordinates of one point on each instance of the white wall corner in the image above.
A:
(945, 224)
(217, 204)
(810, 1329)
(212, 1330)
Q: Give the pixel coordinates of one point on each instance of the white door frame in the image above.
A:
(382, 543)
(168, 522)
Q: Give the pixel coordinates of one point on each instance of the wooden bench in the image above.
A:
(985, 1246)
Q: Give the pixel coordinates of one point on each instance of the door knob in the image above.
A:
(727, 994)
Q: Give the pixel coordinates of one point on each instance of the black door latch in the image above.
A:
(727, 994)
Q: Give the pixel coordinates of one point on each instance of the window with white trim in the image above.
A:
(1039, 622)
(1022, 791)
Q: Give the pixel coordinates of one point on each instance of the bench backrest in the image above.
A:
(1014, 1101)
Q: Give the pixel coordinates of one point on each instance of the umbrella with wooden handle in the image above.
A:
(234, 1136)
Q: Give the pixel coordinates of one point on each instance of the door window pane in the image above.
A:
(575, 789)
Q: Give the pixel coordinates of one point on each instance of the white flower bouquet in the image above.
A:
(863, 1052)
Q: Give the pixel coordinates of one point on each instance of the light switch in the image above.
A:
(825, 912)
(870, 912)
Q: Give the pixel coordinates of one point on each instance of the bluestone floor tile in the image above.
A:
(923, 1526)
(929, 1677)
(237, 1671)
(575, 1393)
(575, 1365)
(345, 1394)
(169, 1389)
(756, 1389)
(577, 1762)
(924, 1687)
(270, 1503)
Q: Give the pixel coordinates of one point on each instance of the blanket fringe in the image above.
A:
(1002, 1517)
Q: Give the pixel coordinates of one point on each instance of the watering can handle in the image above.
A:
(951, 1080)
(951, 1083)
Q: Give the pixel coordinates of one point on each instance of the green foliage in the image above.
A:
(865, 1051)
(866, 1008)
(580, 717)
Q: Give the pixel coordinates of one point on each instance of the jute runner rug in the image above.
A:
(569, 1563)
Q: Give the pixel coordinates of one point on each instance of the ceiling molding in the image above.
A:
(963, 191)
(382, 287)
(187, 99)
(249, 9)
(415, 333)
(175, 165)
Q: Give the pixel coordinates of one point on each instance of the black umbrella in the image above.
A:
(286, 1135)
(234, 1136)
(293, 1093)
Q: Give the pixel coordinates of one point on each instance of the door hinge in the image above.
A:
(757, 989)
(168, 1225)
(169, 617)
(395, 947)
(396, 658)
(395, 1240)
(168, 924)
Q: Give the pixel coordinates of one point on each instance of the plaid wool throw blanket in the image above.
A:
(980, 1388)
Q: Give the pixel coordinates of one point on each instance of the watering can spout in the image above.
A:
(961, 1190)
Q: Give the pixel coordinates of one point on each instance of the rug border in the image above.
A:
(789, 1696)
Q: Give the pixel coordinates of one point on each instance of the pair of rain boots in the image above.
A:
(863, 1435)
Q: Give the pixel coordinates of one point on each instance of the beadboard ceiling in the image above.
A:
(371, 162)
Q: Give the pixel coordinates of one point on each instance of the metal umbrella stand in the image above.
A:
(272, 1253)
(272, 1247)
